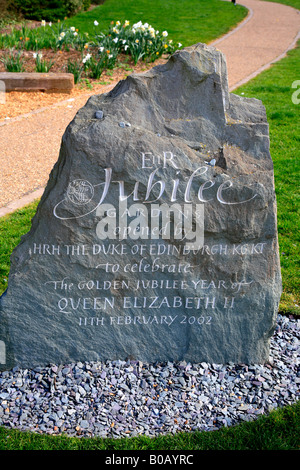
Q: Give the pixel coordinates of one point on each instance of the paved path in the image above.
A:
(260, 40)
(30, 144)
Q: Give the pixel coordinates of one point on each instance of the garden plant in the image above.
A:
(98, 52)
(97, 40)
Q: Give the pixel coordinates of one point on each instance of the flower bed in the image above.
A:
(58, 48)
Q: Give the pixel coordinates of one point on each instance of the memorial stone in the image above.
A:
(156, 236)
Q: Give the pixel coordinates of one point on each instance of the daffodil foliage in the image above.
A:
(99, 50)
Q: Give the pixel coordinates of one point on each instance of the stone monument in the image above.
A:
(156, 236)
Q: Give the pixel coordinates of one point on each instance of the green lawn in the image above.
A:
(12, 227)
(274, 88)
(187, 22)
(277, 431)
(291, 3)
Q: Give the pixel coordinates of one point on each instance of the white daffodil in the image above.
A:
(75, 34)
(101, 49)
(165, 34)
(86, 58)
(115, 40)
(115, 30)
(72, 28)
(179, 44)
(40, 55)
(126, 47)
(34, 55)
(43, 23)
(110, 56)
(96, 23)
(62, 35)
(118, 23)
(126, 23)
(50, 24)
(124, 41)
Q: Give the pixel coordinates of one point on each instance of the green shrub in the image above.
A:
(72, 6)
(8, 13)
(4, 7)
(49, 10)
(86, 4)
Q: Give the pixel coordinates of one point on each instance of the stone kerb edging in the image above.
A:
(27, 82)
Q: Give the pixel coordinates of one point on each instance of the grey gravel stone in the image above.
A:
(122, 404)
(99, 114)
(84, 424)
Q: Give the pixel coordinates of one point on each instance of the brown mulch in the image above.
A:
(59, 59)
(29, 24)
(18, 103)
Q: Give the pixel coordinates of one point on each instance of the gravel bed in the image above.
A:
(131, 398)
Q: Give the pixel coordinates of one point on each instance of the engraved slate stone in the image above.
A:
(154, 241)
